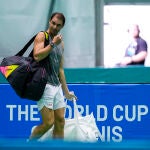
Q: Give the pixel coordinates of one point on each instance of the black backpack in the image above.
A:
(26, 76)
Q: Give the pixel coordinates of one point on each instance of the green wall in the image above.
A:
(140, 75)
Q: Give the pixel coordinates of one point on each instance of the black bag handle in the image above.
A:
(22, 51)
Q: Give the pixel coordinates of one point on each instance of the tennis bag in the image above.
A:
(26, 76)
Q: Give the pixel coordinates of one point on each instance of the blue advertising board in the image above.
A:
(121, 110)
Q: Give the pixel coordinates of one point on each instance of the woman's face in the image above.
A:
(56, 25)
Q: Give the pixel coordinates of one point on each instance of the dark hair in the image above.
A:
(60, 16)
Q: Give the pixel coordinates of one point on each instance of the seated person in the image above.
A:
(136, 51)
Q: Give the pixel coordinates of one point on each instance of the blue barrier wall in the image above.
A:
(121, 110)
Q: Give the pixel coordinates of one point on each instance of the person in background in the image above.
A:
(52, 105)
(136, 51)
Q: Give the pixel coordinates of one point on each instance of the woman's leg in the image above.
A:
(47, 122)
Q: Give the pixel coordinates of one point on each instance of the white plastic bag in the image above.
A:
(79, 128)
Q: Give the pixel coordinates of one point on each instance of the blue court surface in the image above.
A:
(17, 144)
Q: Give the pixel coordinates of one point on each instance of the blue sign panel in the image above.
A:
(121, 110)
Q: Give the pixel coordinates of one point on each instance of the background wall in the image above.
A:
(79, 32)
(19, 21)
(83, 33)
(24, 19)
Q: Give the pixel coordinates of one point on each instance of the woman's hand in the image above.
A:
(70, 96)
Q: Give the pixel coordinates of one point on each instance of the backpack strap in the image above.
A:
(22, 51)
